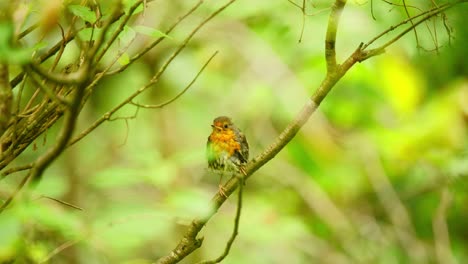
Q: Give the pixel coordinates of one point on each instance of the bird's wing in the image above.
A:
(243, 153)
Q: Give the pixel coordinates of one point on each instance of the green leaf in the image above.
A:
(129, 4)
(127, 35)
(151, 32)
(83, 12)
(86, 33)
(124, 59)
(13, 54)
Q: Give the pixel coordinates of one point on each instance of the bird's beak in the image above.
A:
(216, 127)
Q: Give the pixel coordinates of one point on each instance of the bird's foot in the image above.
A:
(222, 190)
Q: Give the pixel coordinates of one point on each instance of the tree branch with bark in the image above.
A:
(66, 92)
(190, 240)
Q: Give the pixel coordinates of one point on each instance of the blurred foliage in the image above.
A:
(402, 115)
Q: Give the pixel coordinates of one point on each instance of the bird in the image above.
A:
(226, 149)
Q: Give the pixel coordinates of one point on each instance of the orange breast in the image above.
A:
(224, 141)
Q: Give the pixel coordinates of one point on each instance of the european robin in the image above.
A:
(227, 148)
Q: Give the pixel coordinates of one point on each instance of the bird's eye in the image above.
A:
(225, 125)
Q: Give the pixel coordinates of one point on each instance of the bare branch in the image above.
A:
(157, 41)
(118, 31)
(235, 231)
(45, 159)
(60, 249)
(15, 169)
(412, 24)
(161, 105)
(189, 242)
(27, 31)
(45, 89)
(70, 36)
(425, 16)
(153, 80)
(330, 40)
(68, 79)
(60, 202)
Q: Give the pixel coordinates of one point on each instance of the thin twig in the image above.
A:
(15, 192)
(52, 153)
(235, 230)
(303, 11)
(60, 249)
(92, 53)
(74, 78)
(27, 31)
(411, 21)
(153, 80)
(157, 41)
(425, 16)
(61, 202)
(118, 31)
(190, 242)
(45, 89)
(179, 94)
(15, 169)
(54, 50)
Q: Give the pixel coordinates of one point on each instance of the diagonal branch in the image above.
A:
(114, 36)
(190, 242)
(157, 41)
(53, 152)
(411, 21)
(154, 79)
(161, 105)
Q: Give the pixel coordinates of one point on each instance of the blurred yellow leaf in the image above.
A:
(401, 83)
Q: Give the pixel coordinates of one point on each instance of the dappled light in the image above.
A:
(355, 114)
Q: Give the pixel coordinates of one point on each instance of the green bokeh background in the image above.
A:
(361, 183)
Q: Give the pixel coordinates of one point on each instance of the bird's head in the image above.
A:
(221, 123)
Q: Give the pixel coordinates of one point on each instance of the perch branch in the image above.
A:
(189, 242)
